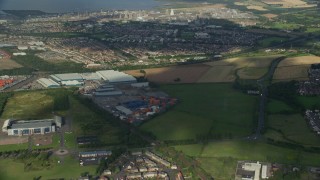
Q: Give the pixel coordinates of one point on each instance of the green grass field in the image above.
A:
(215, 109)
(29, 105)
(68, 169)
(285, 26)
(269, 41)
(87, 122)
(220, 158)
(275, 106)
(309, 102)
(293, 127)
(13, 147)
(252, 73)
(286, 124)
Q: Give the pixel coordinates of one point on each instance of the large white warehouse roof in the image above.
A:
(90, 76)
(115, 76)
(47, 83)
(66, 77)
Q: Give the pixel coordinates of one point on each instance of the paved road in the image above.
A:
(263, 83)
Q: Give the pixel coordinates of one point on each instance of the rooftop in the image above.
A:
(30, 125)
(67, 77)
(124, 110)
(108, 93)
(47, 82)
(115, 76)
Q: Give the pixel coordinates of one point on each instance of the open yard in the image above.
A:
(186, 73)
(294, 68)
(210, 110)
(220, 158)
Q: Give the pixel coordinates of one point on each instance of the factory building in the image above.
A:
(29, 127)
(71, 79)
(105, 89)
(90, 76)
(48, 83)
(112, 76)
(93, 154)
(140, 84)
(124, 110)
(108, 93)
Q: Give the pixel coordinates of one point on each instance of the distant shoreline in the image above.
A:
(61, 6)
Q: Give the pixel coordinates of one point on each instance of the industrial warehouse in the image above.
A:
(117, 92)
(112, 76)
(78, 79)
(29, 127)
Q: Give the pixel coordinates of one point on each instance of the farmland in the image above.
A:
(285, 119)
(245, 67)
(292, 128)
(289, 3)
(294, 68)
(219, 74)
(205, 110)
(288, 73)
(186, 73)
(212, 72)
(220, 158)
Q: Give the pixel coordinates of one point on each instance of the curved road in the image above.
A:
(263, 83)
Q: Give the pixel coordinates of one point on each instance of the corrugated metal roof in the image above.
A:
(72, 83)
(124, 110)
(48, 82)
(104, 89)
(90, 76)
(31, 125)
(115, 76)
(95, 152)
(108, 93)
(67, 77)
